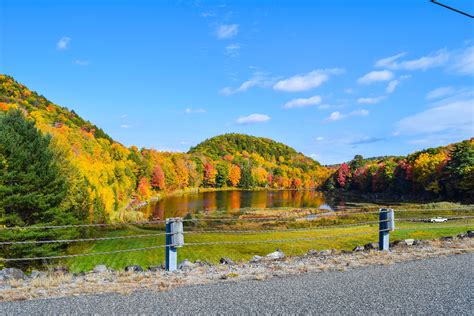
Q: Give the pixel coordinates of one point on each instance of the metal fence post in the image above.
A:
(386, 224)
(174, 239)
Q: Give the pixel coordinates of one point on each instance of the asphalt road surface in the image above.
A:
(442, 285)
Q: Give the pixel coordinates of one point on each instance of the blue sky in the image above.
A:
(329, 78)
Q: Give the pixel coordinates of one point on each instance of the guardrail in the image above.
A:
(175, 233)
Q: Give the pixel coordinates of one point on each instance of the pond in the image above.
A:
(233, 202)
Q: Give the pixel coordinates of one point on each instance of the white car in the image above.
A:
(439, 220)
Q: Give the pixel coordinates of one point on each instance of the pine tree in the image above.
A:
(31, 188)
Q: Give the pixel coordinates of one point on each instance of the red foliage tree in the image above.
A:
(343, 175)
(210, 175)
(158, 178)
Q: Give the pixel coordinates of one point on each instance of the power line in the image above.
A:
(451, 8)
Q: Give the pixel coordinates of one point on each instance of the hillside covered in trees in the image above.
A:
(437, 173)
(102, 178)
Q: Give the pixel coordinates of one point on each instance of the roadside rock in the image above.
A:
(226, 261)
(419, 242)
(101, 268)
(409, 242)
(358, 249)
(278, 254)
(326, 252)
(156, 268)
(312, 252)
(371, 246)
(256, 259)
(133, 268)
(186, 265)
(35, 274)
(12, 274)
(470, 233)
(61, 270)
(398, 243)
(447, 238)
(202, 263)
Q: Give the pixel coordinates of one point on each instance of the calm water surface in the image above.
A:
(232, 202)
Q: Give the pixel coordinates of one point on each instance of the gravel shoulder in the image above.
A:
(430, 286)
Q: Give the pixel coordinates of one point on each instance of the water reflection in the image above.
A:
(231, 202)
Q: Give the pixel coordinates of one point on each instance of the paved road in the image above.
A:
(434, 286)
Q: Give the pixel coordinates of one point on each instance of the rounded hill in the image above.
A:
(230, 144)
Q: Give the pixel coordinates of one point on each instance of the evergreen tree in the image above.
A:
(246, 179)
(31, 188)
(222, 174)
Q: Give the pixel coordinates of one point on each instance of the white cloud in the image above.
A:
(253, 118)
(435, 59)
(324, 106)
(123, 116)
(336, 116)
(63, 43)
(349, 90)
(82, 63)
(232, 50)
(375, 76)
(190, 111)
(388, 61)
(302, 102)
(308, 81)
(320, 138)
(225, 31)
(392, 85)
(125, 126)
(361, 112)
(453, 116)
(439, 93)
(259, 79)
(464, 61)
(373, 100)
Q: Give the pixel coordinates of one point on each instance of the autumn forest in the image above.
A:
(101, 180)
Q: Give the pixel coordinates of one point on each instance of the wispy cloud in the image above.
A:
(336, 116)
(226, 31)
(302, 102)
(375, 76)
(366, 140)
(307, 81)
(435, 59)
(63, 43)
(440, 92)
(81, 62)
(389, 61)
(232, 50)
(453, 115)
(253, 118)
(191, 111)
(392, 85)
(259, 79)
(373, 100)
(125, 126)
(464, 61)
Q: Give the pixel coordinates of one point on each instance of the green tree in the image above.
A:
(246, 179)
(356, 163)
(459, 172)
(32, 188)
(222, 174)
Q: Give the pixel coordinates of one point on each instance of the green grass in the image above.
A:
(213, 253)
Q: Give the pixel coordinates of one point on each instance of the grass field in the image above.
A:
(328, 238)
